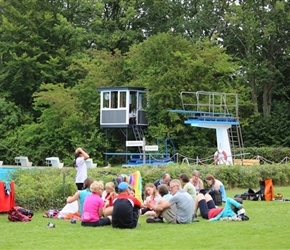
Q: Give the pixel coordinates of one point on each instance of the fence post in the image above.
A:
(63, 185)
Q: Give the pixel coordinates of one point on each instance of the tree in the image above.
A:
(35, 47)
(166, 65)
(257, 33)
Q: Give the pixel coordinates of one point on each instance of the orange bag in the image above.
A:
(267, 190)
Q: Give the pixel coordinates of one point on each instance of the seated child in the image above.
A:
(163, 190)
(80, 196)
(109, 197)
(151, 196)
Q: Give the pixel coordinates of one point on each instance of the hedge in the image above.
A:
(41, 189)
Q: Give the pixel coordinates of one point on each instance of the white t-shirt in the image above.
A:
(81, 168)
(104, 194)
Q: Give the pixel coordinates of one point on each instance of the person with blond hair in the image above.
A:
(176, 210)
(93, 209)
(109, 196)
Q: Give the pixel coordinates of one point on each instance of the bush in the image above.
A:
(40, 189)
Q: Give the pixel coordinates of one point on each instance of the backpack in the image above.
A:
(267, 190)
(20, 214)
(215, 195)
(251, 195)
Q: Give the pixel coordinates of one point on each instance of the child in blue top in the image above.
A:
(80, 196)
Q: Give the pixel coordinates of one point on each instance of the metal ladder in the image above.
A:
(236, 141)
(138, 134)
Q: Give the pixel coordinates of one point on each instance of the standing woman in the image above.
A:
(80, 157)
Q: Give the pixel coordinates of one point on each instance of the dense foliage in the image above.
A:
(55, 54)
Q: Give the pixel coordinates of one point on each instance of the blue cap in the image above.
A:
(123, 185)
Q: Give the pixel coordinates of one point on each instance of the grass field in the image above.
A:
(268, 228)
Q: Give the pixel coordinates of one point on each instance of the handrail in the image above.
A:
(211, 102)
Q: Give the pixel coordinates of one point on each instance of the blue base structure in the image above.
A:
(154, 159)
(137, 161)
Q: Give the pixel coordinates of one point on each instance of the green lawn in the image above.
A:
(268, 228)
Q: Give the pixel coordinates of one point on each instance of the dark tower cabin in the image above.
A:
(123, 108)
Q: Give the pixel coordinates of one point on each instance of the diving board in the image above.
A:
(213, 110)
(211, 122)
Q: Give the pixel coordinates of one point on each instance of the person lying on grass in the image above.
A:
(209, 211)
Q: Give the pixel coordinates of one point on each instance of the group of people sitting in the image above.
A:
(173, 200)
(99, 207)
(177, 201)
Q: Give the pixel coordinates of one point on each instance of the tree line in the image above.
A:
(55, 54)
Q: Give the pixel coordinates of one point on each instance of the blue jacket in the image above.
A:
(227, 211)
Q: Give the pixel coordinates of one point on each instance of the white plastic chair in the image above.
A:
(23, 161)
(90, 164)
(54, 162)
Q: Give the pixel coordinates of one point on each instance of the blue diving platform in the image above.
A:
(200, 123)
(217, 111)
